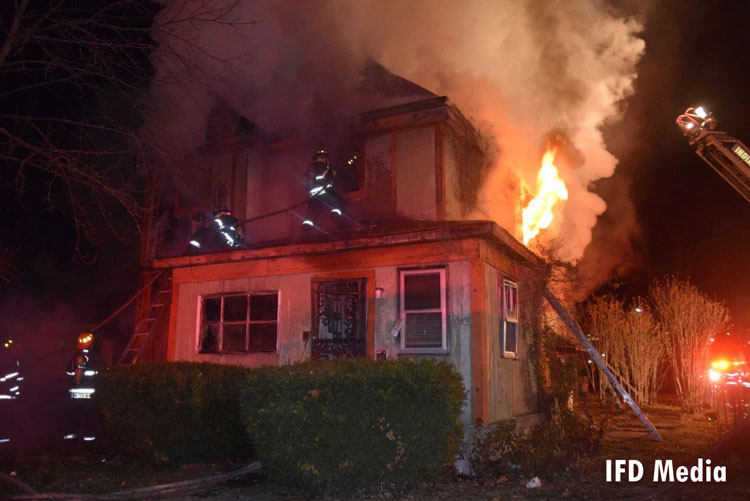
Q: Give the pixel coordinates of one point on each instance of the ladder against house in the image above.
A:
(151, 323)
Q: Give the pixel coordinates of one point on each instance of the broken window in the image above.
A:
(509, 327)
(423, 310)
(239, 323)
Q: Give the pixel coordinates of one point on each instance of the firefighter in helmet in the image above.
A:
(82, 371)
(320, 189)
(10, 390)
(219, 231)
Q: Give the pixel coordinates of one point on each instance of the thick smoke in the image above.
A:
(521, 70)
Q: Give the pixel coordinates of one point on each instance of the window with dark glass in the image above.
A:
(423, 310)
(245, 322)
(509, 327)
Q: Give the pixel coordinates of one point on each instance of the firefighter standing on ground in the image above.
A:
(10, 390)
(320, 189)
(82, 371)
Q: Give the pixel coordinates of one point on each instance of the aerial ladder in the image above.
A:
(725, 154)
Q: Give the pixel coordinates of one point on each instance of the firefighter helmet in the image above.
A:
(84, 340)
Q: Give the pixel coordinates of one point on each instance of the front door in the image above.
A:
(339, 318)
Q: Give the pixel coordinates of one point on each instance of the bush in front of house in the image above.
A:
(347, 425)
(503, 449)
(175, 411)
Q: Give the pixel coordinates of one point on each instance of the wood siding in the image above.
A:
(512, 385)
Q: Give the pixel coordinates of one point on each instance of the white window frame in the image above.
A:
(443, 310)
(509, 317)
(220, 349)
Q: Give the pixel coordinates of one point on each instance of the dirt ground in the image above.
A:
(684, 439)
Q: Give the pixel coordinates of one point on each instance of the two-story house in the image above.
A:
(401, 273)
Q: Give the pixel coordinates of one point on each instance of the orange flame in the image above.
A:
(550, 189)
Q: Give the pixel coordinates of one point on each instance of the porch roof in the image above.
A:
(392, 234)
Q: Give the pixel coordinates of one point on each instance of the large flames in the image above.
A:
(550, 189)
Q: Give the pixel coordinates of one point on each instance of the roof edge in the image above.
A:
(488, 230)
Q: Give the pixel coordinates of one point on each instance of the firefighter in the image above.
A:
(82, 371)
(10, 390)
(219, 231)
(320, 189)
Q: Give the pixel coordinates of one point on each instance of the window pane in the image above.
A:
(263, 337)
(511, 302)
(209, 338)
(263, 306)
(235, 308)
(424, 330)
(234, 338)
(422, 292)
(511, 332)
(211, 309)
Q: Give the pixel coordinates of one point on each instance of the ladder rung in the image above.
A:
(157, 304)
(165, 291)
(144, 333)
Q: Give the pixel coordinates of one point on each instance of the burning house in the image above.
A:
(397, 270)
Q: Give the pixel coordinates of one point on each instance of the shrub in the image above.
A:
(354, 424)
(502, 449)
(176, 411)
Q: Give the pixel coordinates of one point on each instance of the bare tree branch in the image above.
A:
(73, 84)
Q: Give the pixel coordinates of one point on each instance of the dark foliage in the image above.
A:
(346, 425)
(178, 412)
(503, 449)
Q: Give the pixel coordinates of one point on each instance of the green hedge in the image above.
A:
(345, 425)
(176, 411)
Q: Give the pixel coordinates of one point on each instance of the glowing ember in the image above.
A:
(550, 189)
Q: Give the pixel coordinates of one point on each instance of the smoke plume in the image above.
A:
(522, 71)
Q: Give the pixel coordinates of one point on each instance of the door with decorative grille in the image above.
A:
(339, 318)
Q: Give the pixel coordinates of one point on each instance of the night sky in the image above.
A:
(692, 223)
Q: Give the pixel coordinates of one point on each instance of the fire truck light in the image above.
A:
(195, 243)
(701, 112)
(712, 340)
(8, 376)
(720, 365)
(714, 375)
(639, 310)
(689, 125)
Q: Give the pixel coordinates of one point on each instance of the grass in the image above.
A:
(80, 470)
(93, 470)
(624, 437)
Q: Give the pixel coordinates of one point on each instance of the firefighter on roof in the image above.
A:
(82, 371)
(220, 231)
(320, 189)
